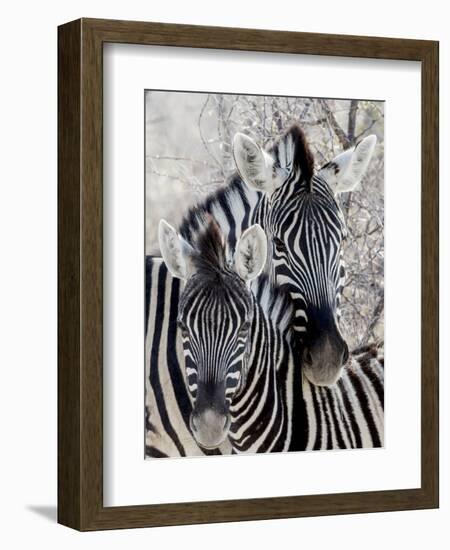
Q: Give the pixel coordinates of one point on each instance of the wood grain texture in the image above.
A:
(430, 273)
(80, 265)
(69, 246)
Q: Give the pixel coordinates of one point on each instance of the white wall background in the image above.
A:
(28, 273)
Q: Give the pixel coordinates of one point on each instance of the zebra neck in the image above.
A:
(275, 304)
(270, 343)
(262, 413)
(270, 334)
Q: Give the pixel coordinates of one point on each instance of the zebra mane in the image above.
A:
(209, 259)
(229, 204)
(209, 251)
(291, 152)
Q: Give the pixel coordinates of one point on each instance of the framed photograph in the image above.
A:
(248, 274)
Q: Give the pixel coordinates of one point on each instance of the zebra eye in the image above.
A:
(279, 244)
(181, 325)
(244, 328)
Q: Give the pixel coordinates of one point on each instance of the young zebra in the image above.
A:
(239, 357)
(168, 405)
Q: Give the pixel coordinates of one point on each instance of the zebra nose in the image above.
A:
(226, 421)
(194, 421)
(312, 356)
(210, 428)
(323, 361)
(307, 357)
(345, 354)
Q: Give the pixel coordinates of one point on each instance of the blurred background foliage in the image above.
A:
(188, 155)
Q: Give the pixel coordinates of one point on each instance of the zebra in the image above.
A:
(240, 362)
(301, 214)
(167, 402)
(249, 198)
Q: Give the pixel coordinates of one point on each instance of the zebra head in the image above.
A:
(300, 213)
(215, 316)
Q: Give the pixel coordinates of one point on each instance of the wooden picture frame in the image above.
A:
(80, 272)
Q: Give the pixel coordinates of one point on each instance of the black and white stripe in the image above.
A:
(349, 414)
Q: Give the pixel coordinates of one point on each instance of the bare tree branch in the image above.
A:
(352, 120)
(340, 134)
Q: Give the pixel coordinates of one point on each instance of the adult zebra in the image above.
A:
(239, 358)
(301, 215)
(275, 182)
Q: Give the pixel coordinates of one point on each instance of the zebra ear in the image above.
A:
(345, 171)
(254, 165)
(175, 251)
(251, 253)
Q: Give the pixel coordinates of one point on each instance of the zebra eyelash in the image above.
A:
(279, 244)
(244, 328)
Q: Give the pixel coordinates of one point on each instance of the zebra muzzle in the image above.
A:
(210, 428)
(323, 363)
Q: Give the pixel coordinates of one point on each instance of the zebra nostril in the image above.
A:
(307, 357)
(193, 423)
(345, 355)
(226, 423)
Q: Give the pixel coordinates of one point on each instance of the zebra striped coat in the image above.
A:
(167, 403)
(347, 415)
(234, 208)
